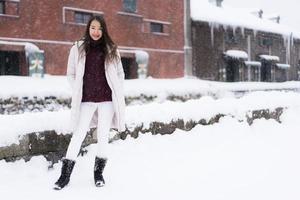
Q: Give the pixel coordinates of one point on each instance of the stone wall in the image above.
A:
(15, 105)
(53, 145)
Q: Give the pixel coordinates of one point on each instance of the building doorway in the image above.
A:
(130, 67)
(266, 68)
(232, 70)
(9, 63)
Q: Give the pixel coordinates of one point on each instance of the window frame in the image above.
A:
(128, 9)
(84, 17)
(74, 10)
(231, 38)
(10, 8)
(265, 41)
(154, 26)
(2, 5)
(146, 27)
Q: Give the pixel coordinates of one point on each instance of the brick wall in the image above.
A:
(41, 22)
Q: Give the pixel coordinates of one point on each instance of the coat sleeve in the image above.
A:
(71, 69)
(120, 69)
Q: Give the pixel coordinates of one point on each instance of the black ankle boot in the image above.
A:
(98, 170)
(66, 170)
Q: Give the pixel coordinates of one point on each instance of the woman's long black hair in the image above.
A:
(109, 47)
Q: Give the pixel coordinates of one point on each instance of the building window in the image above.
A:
(129, 6)
(156, 27)
(2, 7)
(231, 38)
(82, 17)
(78, 16)
(9, 8)
(265, 42)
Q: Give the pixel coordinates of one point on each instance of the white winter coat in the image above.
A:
(115, 77)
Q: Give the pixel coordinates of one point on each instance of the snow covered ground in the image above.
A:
(229, 160)
(59, 87)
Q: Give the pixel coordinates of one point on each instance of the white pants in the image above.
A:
(105, 115)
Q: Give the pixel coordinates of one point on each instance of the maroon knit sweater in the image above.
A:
(95, 86)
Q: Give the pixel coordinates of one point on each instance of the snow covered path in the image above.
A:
(229, 160)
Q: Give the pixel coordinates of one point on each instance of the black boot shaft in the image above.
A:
(66, 171)
(98, 171)
(100, 164)
(67, 166)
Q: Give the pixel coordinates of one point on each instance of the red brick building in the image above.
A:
(154, 26)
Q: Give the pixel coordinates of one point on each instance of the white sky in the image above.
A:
(287, 9)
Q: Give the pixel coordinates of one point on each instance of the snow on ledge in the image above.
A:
(269, 57)
(283, 66)
(237, 54)
(28, 47)
(253, 63)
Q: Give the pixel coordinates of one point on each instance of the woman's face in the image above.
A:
(95, 30)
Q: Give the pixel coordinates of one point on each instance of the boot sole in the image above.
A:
(99, 184)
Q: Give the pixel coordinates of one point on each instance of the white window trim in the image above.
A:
(13, 16)
(129, 14)
(122, 48)
(80, 10)
(158, 33)
(157, 21)
(179, 51)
